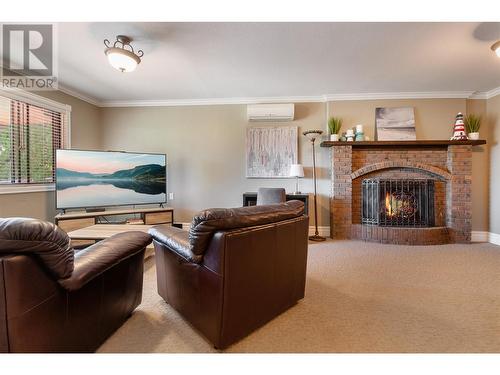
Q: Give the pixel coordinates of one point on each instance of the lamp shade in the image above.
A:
(312, 134)
(296, 170)
(122, 60)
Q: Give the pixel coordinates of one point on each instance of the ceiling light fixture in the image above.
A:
(496, 48)
(121, 55)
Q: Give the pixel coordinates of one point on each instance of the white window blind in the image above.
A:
(29, 136)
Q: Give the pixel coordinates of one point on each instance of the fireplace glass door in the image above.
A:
(398, 203)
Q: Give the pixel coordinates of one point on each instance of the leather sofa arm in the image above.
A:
(45, 240)
(97, 259)
(177, 240)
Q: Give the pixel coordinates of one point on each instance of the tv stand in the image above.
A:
(71, 221)
(95, 209)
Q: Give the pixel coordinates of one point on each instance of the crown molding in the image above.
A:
(288, 99)
(492, 93)
(478, 95)
(79, 95)
(401, 95)
(33, 98)
(283, 99)
(293, 99)
(212, 101)
(486, 94)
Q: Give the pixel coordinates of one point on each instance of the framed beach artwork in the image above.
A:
(395, 124)
(270, 151)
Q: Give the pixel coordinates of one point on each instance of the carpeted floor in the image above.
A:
(360, 297)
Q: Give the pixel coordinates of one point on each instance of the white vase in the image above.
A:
(334, 137)
(473, 136)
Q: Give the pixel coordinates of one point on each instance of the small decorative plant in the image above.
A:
(472, 124)
(334, 125)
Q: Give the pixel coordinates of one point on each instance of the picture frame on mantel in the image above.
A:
(395, 124)
(270, 151)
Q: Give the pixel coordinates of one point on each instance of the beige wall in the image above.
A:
(215, 176)
(480, 170)
(205, 147)
(493, 109)
(85, 128)
(434, 119)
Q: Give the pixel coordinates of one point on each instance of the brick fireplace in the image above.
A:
(377, 191)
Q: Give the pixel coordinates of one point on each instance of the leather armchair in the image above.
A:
(55, 300)
(235, 269)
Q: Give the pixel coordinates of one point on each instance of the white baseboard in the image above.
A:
(494, 238)
(479, 236)
(323, 231)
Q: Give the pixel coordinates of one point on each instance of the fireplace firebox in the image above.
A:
(398, 202)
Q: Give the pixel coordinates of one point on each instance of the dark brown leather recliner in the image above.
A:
(55, 300)
(235, 269)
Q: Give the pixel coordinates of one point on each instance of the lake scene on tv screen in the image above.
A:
(95, 179)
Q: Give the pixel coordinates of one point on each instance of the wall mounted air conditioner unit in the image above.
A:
(270, 112)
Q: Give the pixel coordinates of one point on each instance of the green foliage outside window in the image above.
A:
(29, 136)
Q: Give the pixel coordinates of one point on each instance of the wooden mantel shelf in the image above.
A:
(431, 143)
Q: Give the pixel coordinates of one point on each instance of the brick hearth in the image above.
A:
(449, 164)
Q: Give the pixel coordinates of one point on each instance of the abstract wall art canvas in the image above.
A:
(395, 124)
(270, 151)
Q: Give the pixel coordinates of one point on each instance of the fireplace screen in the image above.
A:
(401, 203)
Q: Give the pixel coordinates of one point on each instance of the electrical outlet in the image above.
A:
(171, 196)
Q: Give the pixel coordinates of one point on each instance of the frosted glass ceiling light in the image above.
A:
(121, 55)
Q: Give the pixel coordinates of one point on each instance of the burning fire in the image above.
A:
(388, 204)
(400, 205)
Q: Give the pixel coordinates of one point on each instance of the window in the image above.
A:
(29, 135)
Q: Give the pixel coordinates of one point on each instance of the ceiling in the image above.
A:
(205, 61)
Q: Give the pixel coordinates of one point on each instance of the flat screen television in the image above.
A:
(89, 179)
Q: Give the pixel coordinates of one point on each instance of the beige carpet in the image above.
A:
(360, 297)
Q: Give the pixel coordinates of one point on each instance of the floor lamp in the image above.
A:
(312, 135)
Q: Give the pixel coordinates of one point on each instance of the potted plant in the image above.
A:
(472, 124)
(334, 125)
